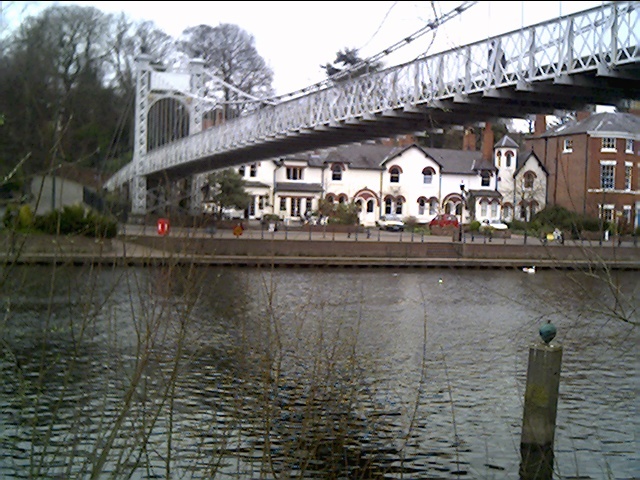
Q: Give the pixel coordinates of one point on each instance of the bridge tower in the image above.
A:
(153, 84)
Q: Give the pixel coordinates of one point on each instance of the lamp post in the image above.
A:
(462, 204)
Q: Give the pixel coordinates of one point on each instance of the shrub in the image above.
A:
(474, 226)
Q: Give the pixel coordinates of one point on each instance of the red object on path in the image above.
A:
(163, 226)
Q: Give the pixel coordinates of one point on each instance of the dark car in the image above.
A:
(444, 220)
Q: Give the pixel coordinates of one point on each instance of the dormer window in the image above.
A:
(427, 175)
(336, 173)
(394, 173)
(486, 178)
(241, 171)
(253, 170)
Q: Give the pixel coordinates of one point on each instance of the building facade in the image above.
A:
(403, 178)
(593, 165)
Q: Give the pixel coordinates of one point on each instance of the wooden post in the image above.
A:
(540, 408)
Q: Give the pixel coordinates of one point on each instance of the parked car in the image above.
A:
(494, 224)
(444, 220)
(391, 223)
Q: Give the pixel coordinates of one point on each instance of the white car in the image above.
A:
(494, 224)
(390, 222)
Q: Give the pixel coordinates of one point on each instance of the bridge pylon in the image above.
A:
(163, 114)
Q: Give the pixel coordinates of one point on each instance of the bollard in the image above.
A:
(540, 407)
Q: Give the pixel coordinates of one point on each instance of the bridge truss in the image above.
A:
(591, 57)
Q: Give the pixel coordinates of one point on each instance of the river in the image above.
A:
(309, 373)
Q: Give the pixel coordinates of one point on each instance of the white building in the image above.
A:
(409, 180)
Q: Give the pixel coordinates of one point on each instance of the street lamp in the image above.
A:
(462, 204)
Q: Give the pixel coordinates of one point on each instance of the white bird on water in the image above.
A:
(529, 269)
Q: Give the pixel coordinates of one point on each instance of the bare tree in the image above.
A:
(231, 56)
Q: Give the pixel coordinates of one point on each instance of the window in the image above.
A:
(241, 171)
(399, 207)
(283, 204)
(433, 207)
(308, 207)
(607, 213)
(509, 155)
(608, 144)
(628, 169)
(626, 214)
(629, 146)
(483, 208)
(427, 175)
(498, 159)
(494, 210)
(529, 179)
(261, 201)
(370, 206)
(607, 174)
(330, 198)
(336, 173)
(568, 145)
(387, 206)
(421, 206)
(253, 170)
(485, 179)
(395, 175)
(506, 210)
(294, 173)
(295, 207)
(343, 199)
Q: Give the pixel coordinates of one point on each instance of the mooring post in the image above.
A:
(540, 407)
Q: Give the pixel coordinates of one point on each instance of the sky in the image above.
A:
(295, 38)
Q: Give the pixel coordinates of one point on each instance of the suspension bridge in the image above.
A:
(567, 63)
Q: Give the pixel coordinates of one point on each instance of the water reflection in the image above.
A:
(247, 373)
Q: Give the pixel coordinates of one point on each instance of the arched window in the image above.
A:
(394, 173)
(427, 175)
(433, 206)
(421, 206)
(330, 198)
(370, 206)
(509, 155)
(498, 159)
(399, 206)
(387, 206)
(529, 179)
(336, 173)
(343, 199)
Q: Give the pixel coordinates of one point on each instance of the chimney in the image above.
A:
(469, 140)
(582, 115)
(487, 142)
(540, 125)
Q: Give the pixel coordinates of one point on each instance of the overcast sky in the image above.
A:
(296, 37)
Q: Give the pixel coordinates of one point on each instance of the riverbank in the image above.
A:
(137, 245)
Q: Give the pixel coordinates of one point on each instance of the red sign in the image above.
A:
(163, 226)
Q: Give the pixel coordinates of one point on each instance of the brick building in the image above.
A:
(593, 165)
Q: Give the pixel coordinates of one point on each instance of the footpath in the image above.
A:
(137, 245)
